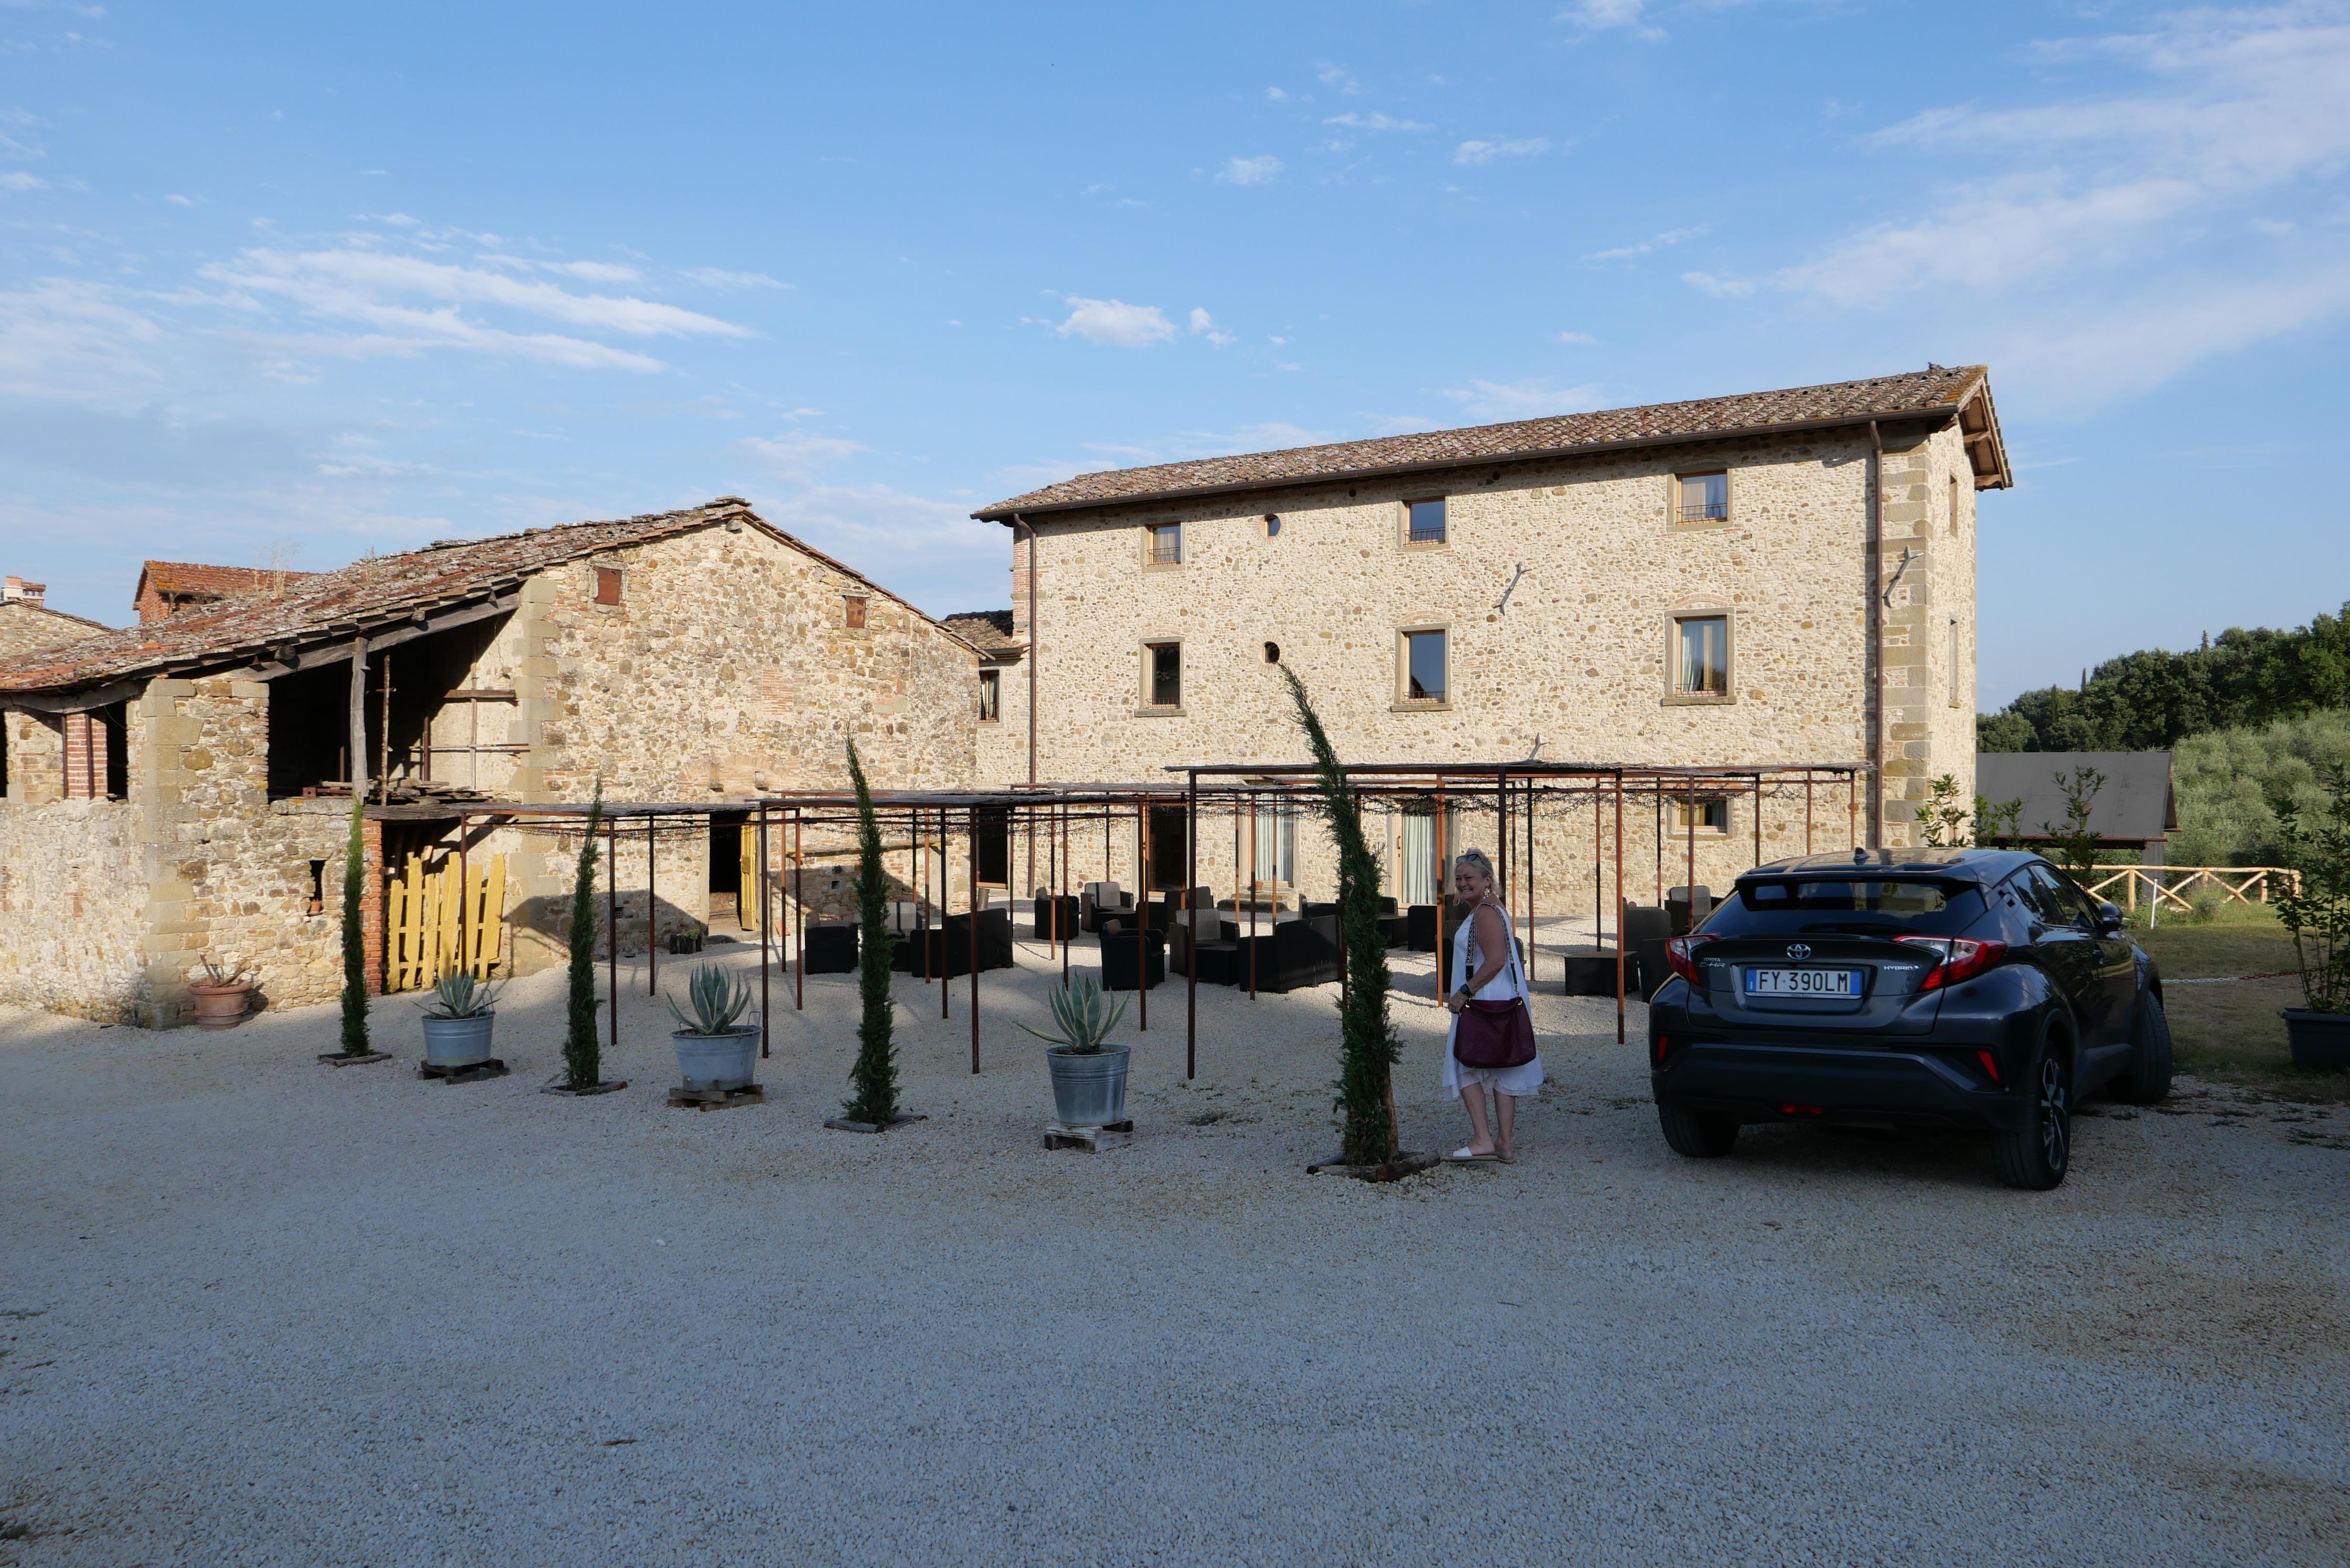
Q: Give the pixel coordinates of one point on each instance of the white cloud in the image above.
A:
(374, 287)
(1336, 79)
(719, 277)
(63, 340)
(2140, 341)
(795, 456)
(15, 180)
(1527, 400)
(1116, 324)
(2246, 101)
(1474, 153)
(1600, 16)
(1204, 324)
(180, 200)
(1249, 170)
(1655, 243)
(1576, 338)
(1721, 287)
(1375, 122)
(1275, 95)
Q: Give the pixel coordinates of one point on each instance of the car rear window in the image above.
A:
(1773, 904)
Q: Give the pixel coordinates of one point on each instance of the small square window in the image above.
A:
(1167, 545)
(608, 585)
(856, 603)
(1163, 674)
(1424, 674)
(1701, 656)
(991, 696)
(1712, 817)
(1424, 521)
(1701, 497)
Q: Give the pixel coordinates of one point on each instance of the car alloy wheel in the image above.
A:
(2055, 1121)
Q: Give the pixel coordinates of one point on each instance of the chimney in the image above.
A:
(16, 591)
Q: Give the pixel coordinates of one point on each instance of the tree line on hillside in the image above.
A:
(2151, 700)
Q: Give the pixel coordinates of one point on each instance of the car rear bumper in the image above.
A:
(1873, 1087)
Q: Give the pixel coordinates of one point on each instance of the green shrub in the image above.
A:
(2227, 784)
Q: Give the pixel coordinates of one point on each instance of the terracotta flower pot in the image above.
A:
(221, 1006)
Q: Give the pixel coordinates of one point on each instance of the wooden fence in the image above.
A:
(425, 916)
(2172, 884)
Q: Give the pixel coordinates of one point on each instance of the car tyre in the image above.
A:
(2036, 1152)
(2147, 1082)
(1696, 1136)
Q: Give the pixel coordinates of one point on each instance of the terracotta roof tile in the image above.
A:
(190, 579)
(380, 592)
(989, 631)
(1934, 390)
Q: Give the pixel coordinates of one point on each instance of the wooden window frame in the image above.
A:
(1150, 561)
(1404, 701)
(1674, 696)
(855, 611)
(1673, 518)
(612, 586)
(1145, 708)
(1403, 523)
(990, 679)
(1677, 824)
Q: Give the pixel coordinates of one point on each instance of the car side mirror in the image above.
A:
(2110, 919)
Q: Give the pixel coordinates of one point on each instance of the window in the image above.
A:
(1424, 521)
(856, 611)
(608, 585)
(1701, 656)
(1167, 545)
(96, 758)
(1163, 674)
(1274, 829)
(1273, 653)
(1423, 667)
(991, 696)
(1955, 687)
(1712, 817)
(1701, 497)
(1272, 525)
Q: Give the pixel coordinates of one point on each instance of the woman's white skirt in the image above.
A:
(1517, 1082)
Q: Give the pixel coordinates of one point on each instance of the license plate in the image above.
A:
(1803, 982)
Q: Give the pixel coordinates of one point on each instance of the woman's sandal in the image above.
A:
(1467, 1156)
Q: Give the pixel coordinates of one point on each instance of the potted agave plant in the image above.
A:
(457, 1021)
(1088, 1072)
(223, 996)
(715, 1049)
(2316, 912)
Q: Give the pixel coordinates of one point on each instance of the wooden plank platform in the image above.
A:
(717, 1099)
(463, 1072)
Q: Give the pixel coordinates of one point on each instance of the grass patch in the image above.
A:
(2230, 1033)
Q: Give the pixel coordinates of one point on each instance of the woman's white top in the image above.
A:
(1510, 981)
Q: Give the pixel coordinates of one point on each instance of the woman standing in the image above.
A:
(1485, 969)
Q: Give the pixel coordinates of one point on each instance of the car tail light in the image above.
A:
(1957, 959)
(1990, 1064)
(1664, 1043)
(1680, 952)
(1803, 1110)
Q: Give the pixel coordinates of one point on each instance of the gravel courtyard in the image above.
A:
(262, 1311)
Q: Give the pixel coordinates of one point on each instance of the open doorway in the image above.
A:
(1170, 857)
(730, 873)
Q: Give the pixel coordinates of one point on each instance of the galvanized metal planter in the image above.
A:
(1088, 1087)
(724, 1061)
(458, 1041)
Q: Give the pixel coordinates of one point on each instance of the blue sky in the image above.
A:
(295, 282)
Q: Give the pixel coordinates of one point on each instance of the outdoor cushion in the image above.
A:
(831, 949)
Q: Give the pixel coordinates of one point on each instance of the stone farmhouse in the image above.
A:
(27, 622)
(1777, 576)
(183, 786)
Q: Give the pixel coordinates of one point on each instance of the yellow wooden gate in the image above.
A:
(421, 923)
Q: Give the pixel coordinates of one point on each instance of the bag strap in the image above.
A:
(1510, 936)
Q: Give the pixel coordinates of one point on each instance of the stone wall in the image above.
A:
(72, 906)
(1574, 667)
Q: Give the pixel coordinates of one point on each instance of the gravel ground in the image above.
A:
(263, 1310)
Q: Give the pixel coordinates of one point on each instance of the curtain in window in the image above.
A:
(1419, 875)
(1276, 844)
(1705, 656)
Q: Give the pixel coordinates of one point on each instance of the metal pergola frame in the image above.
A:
(1048, 816)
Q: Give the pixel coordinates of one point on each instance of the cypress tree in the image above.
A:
(355, 997)
(583, 1057)
(1370, 1047)
(874, 1078)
